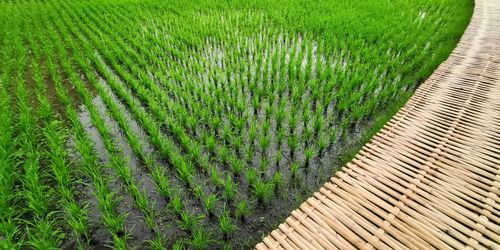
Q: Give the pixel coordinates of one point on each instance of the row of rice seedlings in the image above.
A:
(9, 214)
(41, 230)
(107, 199)
(55, 136)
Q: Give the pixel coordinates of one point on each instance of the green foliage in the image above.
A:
(242, 210)
(226, 225)
(210, 202)
(263, 192)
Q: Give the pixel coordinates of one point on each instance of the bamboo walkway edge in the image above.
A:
(430, 179)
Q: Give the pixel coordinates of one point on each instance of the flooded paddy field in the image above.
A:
(194, 124)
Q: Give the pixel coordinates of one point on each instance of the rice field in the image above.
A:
(194, 124)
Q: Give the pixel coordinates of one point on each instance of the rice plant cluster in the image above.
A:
(194, 124)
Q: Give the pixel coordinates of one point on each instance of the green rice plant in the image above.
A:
(293, 122)
(322, 144)
(224, 154)
(229, 189)
(278, 157)
(190, 222)
(34, 192)
(215, 177)
(318, 123)
(119, 164)
(176, 204)
(225, 224)
(237, 143)
(263, 166)
(12, 235)
(252, 176)
(185, 172)
(255, 104)
(236, 165)
(44, 235)
(265, 141)
(308, 135)
(332, 135)
(198, 192)
(76, 215)
(201, 239)
(269, 109)
(162, 183)
(179, 244)
(227, 133)
(239, 123)
(280, 136)
(263, 192)
(184, 169)
(294, 170)
(210, 203)
(55, 136)
(242, 210)
(308, 155)
(249, 155)
(158, 243)
(106, 199)
(293, 144)
(277, 181)
(252, 133)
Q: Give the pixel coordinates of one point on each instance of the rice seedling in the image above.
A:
(308, 155)
(252, 176)
(8, 214)
(210, 202)
(278, 181)
(263, 192)
(243, 209)
(229, 189)
(200, 239)
(179, 244)
(278, 157)
(225, 224)
(157, 243)
(293, 144)
(189, 222)
(294, 169)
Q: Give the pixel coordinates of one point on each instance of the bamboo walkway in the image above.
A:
(431, 177)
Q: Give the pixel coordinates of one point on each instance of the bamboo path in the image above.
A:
(431, 177)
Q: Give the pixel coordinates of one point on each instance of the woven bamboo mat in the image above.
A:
(431, 177)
